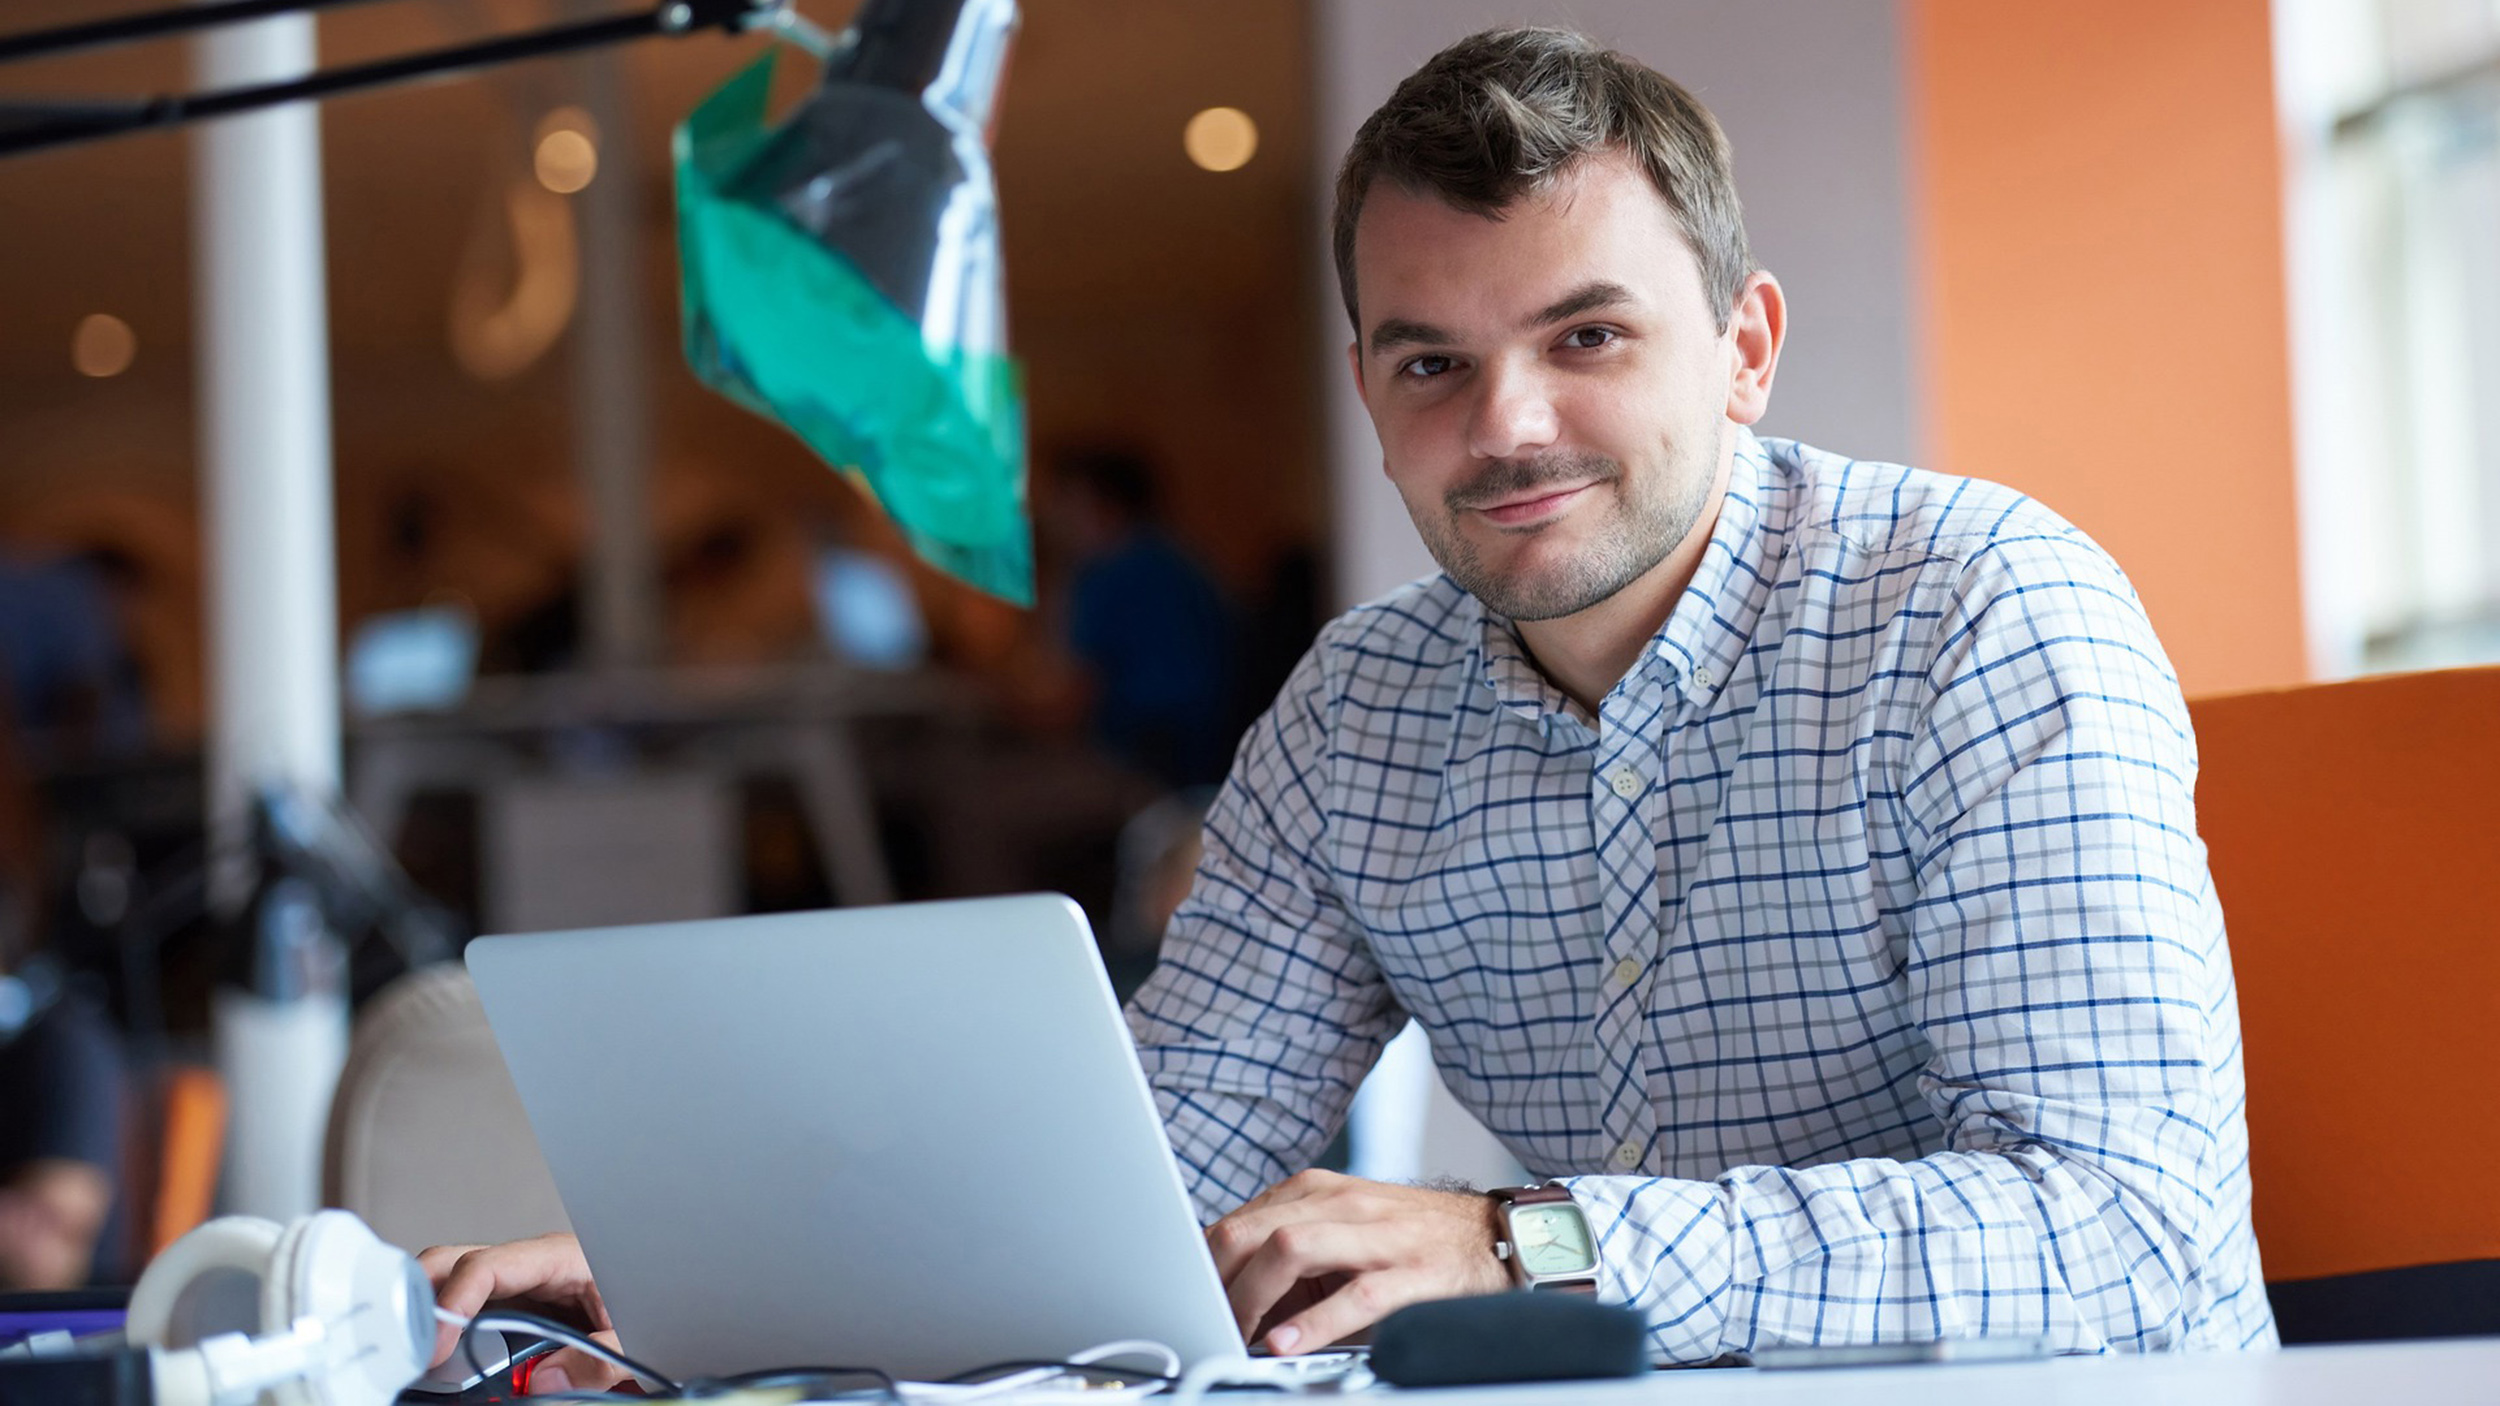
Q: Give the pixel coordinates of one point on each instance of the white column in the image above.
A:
(272, 619)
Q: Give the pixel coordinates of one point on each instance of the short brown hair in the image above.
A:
(1503, 113)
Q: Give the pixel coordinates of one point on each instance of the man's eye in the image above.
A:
(1425, 367)
(1587, 338)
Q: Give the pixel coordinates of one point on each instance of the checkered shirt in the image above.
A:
(1856, 966)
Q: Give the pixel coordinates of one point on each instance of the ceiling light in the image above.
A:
(1221, 139)
(566, 160)
(103, 345)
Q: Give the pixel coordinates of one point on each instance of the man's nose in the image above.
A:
(1514, 414)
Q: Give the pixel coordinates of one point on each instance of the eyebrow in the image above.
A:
(1588, 297)
(1398, 332)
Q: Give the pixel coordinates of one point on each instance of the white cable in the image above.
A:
(1130, 1347)
(1047, 1380)
(1236, 1371)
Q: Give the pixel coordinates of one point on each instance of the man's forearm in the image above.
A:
(1960, 1244)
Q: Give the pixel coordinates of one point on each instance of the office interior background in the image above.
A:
(2219, 281)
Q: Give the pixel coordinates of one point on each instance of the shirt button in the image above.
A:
(1627, 1156)
(1625, 780)
(1702, 677)
(1627, 971)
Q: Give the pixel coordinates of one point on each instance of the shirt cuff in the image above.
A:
(1666, 1247)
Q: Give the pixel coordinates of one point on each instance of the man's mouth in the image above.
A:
(1535, 505)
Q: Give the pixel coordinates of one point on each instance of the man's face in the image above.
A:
(1551, 388)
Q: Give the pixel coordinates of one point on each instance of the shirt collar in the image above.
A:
(1705, 636)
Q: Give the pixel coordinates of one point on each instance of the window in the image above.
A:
(2393, 185)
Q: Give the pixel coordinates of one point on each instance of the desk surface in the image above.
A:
(2458, 1370)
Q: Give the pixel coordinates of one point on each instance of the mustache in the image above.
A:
(1507, 478)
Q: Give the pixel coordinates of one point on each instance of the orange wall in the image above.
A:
(2098, 218)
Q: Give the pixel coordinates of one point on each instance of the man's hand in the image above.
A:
(1319, 1257)
(549, 1276)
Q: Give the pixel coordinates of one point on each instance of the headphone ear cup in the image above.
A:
(208, 1282)
(332, 1267)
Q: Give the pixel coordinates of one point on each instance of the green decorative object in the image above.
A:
(811, 298)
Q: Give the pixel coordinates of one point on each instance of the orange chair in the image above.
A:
(192, 1106)
(2354, 831)
(173, 1144)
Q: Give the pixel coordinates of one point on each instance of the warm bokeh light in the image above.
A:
(566, 161)
(1221, 139)
(566, 151)
(103, 345)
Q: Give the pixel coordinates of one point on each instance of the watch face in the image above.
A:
(1552, 1240)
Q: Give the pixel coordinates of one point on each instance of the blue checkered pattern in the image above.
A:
(1856, 965)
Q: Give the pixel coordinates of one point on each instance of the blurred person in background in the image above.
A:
(73, 690)
(72, 695)
(60, 1072)
(1153, 634)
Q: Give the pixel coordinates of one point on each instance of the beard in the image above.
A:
(1648, 516)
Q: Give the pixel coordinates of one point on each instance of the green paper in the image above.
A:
(793, 332)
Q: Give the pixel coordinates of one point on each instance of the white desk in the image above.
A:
(2460, 1370)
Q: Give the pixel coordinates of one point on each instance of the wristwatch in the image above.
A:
(1545, 1239)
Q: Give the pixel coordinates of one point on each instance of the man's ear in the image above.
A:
(1757, 329)
(1354, 363)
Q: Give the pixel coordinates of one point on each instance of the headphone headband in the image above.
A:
(317, 1313)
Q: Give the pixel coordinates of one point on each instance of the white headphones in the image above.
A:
(317, 1313)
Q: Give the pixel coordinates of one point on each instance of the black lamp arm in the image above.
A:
(28, 127)
(153, 24)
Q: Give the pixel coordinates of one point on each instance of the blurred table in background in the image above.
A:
(609, 797)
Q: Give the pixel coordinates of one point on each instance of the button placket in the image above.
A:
(1625, 801)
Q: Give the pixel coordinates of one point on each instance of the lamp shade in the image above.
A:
(842, 275)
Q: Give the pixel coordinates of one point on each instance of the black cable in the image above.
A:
(697, 1389)
(580, 1341)
(809, 1377)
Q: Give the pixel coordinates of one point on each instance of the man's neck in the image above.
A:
(1588, 653)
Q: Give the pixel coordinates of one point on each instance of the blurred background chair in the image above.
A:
(2354, 830)
(182, 1141)
(427, 1138)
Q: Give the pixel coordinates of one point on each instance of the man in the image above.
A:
(1793, 857)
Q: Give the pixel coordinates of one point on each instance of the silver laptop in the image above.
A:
(914, 1138)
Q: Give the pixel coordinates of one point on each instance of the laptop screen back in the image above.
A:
(914, 1138)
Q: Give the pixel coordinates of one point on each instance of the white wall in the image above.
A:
(1811, 95)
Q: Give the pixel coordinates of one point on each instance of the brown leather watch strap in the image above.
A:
(1543, 1194)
